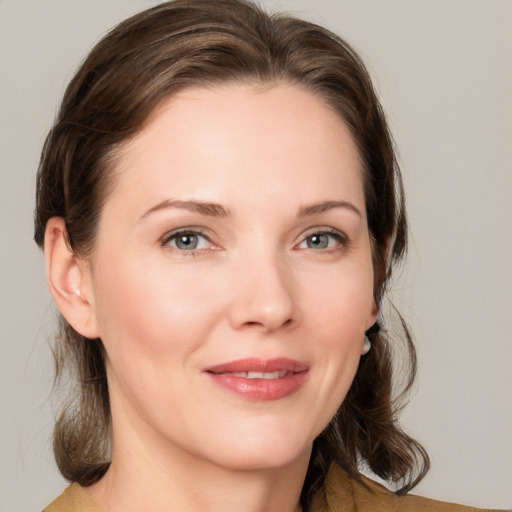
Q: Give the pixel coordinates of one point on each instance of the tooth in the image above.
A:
(255, 375)
(263, 375)
(278, 374)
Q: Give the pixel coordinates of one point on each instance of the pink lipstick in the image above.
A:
(260, 379)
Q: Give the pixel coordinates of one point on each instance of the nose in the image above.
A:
(265, 296)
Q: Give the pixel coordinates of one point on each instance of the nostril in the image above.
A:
(264, 325)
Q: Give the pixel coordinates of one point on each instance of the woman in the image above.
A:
(221, 210)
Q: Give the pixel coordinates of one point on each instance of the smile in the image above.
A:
(261, 375)
(259, 379)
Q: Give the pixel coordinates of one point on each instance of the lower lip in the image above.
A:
(260, 389)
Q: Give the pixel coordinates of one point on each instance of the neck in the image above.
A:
(249, 491)
(152, 476)
(128, 488)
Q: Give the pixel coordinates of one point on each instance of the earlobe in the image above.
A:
(68, 279)
(373, 316)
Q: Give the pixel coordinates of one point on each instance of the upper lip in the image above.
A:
(259, 365)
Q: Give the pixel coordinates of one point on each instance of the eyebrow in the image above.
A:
(325, 206)
(217, 210)
(204, 208)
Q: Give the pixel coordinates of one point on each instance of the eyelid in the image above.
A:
(173, 234)
(341, 237)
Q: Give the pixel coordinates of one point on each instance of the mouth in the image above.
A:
(260, 379)
(261, 375)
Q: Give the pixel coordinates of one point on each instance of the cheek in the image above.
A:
(154, 307)
(340, 299)
(153, 325)
(340, 309)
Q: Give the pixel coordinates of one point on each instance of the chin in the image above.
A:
(263, 451)
(265, 462)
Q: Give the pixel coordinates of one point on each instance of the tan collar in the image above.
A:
(74, 499)
(340, 494)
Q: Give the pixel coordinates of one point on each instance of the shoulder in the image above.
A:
(73, 499)
(369, 496)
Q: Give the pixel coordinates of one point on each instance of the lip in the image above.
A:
(292, 376)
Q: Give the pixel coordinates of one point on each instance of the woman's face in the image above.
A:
(231, 282)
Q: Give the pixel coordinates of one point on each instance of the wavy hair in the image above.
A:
(142, 62)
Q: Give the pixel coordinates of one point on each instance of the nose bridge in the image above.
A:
(265, 292)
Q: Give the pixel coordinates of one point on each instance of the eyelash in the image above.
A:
(340, 239)
(192, 232)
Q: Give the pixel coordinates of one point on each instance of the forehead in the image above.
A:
(232, 138)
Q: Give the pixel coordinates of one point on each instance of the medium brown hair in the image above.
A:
(140, 63)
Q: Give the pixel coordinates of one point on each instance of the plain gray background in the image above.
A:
(443, 70)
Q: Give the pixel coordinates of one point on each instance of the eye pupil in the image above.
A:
(186, 241)
(318, 241)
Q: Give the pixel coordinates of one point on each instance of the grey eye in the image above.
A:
(318, 241)
(322, 240)
(188, 241)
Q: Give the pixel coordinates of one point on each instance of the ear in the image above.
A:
(373, 316)
(69, 279)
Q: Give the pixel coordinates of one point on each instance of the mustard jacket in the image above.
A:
(340, 494)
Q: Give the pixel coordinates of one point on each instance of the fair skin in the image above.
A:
(235, 240)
